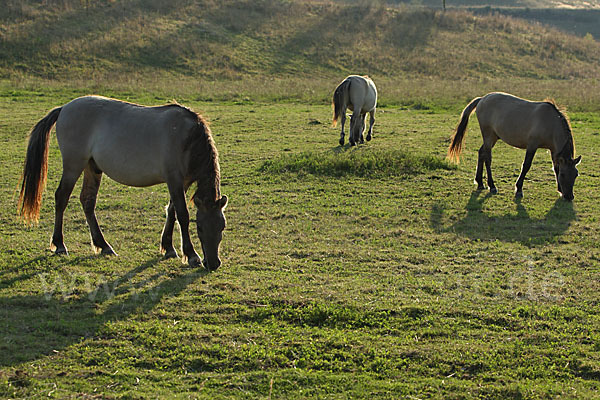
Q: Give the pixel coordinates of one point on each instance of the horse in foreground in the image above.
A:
(524, 124)
(358, 93)
(136, 146)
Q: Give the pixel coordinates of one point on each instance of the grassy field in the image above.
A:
(389, 282)
(369, 272)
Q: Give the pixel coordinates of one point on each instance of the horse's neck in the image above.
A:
(207, 172)
(565, 147)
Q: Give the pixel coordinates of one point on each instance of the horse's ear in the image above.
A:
(223, 202)
(577, 160)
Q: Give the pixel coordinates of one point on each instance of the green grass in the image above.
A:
(368, 272)
(369, 285)
(358, 162)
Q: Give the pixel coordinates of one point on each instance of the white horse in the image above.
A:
(358, 93)
(136, 146)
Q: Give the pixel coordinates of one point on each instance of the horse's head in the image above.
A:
(566, 176)
(210, 221)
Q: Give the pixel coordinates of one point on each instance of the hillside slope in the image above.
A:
(558, 4)
(233, 39)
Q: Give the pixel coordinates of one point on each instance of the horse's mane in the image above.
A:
(204, 162)
(569, 148)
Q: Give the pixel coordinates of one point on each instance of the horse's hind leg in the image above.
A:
(488, 167)
(485, 154)
(61, 199)
(479, 172)
(343, 122)
(371, 122)
(524, 169)
(166, 240)
(89, 193)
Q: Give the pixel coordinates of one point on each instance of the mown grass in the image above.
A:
(344, 286)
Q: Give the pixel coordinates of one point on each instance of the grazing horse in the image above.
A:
(524, 124)
(136, 146)
(358, 93)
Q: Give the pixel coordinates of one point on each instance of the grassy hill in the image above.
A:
(546, 4)
(119, 40)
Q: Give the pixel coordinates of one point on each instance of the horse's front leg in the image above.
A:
(361, 138)
(89, 194)
(556, 172)
(166, 240)
(343, 122)
(371, 123)
(177, 192)
(524, 169)
(354, 126)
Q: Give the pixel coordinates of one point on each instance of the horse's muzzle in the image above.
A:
(211, 266)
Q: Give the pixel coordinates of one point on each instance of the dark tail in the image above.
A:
(459, 134)
(36, 168)
(338, 99)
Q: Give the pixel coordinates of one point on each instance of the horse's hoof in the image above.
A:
(170, 254)
(61, 251)
(480, 187)
(519, 195)
(108, 251)
(341, 142)
(211, 267)
(368, 138)
(568, 199)
(352, 144)
(493, 190)
(194, 261)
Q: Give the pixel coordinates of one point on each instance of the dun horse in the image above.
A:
(524, 124)
(136, 146)
(358, 93)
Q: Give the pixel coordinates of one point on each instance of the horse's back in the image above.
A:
(132, 144)
(520, 123)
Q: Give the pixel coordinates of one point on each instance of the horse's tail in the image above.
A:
(36, 168)
(338, 99)
(459, 133)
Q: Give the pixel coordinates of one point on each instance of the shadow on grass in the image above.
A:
(34, 326)
(519, 227)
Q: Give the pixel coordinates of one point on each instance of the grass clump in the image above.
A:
(358, 162)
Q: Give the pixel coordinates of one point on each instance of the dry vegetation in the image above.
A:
(239, 39)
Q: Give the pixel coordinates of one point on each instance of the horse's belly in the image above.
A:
(132, 171)
(134, 180)
(519, 142)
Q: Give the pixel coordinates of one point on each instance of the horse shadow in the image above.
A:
(35, 326)
(510, 227)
